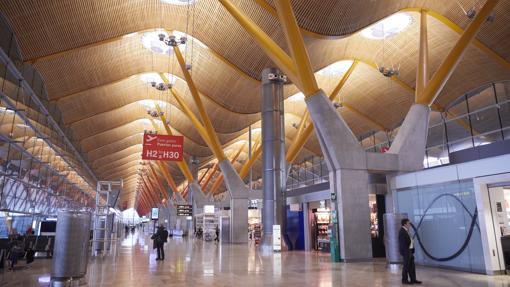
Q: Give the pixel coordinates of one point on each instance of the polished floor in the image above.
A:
(197, 263)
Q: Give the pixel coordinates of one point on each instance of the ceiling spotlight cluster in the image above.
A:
(172, 40)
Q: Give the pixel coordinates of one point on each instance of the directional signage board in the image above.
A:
(184, 210)
(162, 147)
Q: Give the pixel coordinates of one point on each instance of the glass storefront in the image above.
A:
(445, 220)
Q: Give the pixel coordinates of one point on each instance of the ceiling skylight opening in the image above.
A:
(6, 110)
(150, 40)
(336, 69)
(151, 104)
(150, 78)
(256, 130)
(158, 41)
(155, 79)
(388, 27)
(179, 2)
(299, 97)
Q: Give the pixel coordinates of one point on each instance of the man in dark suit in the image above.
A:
(160, 238)
(406, 249)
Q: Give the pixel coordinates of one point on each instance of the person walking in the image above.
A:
(406, 249)
(160, 238)
(15, 252)
(217, 231)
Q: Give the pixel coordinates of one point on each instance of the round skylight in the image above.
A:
(388, 27)
(336, 69)
(150, 40)
(151, 104)
(299, 97)
(178, 2)
(152, 77)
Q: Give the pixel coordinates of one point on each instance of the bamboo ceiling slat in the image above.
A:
(99, 89)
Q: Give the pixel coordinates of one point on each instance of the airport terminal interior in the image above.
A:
(254, 142)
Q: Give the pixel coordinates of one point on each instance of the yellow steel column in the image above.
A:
(445, 70)
(213, 137)
(246, 167)
(219, 180)
(183, 166)
(302, 137)
(194, 120)
(158, 180)
(209, 176)
(196, 123)
(302, 123)
(169, 179)
(272, 50)
(422, 75)
(297, 47)
(365, 117)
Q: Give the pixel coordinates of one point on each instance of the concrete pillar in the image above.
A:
(193, 166)
(238, 203)
(273, 156)
(347, 163)
(411, 140)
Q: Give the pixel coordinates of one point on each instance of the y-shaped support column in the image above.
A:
(348, 176)
(238, 203)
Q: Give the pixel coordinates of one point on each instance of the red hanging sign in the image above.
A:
(162, 147)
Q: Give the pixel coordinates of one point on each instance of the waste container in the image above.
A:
(69, 261)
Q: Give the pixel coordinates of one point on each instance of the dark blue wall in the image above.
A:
(296, 229)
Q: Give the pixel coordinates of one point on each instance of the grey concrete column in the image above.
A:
(411, 139)
(195, 195)
(199, 198)
(273, 156)
(347, 163)
(238, 203)
(193, 167)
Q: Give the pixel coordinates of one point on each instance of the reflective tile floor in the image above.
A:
(197, 263)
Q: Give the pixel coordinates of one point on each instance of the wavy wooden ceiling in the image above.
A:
(98, 90)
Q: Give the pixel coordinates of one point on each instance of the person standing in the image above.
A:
(406, 249)
(160, 238)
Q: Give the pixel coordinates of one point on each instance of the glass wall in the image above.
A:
(445, 219)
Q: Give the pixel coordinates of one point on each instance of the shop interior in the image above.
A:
(499, 199)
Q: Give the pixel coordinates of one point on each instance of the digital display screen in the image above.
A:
(48, 226)
(155, 214)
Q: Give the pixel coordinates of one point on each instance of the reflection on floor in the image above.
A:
(197, 263)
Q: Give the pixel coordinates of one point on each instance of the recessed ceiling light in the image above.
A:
(178, 2)
(336, 69)
(388, 27)
(299, 97)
